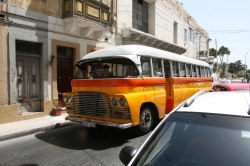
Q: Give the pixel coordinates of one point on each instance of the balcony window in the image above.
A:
(79, 7)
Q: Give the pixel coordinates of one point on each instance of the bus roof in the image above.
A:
(124, 50)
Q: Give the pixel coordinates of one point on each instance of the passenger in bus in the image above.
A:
(145, 69)
(157, 72)
(106, 72)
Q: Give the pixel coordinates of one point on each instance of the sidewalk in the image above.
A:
(25, 127)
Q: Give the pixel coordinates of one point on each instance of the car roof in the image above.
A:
(229, 103)
(236, 85)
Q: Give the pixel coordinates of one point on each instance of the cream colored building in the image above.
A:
(33, 32)
(163, 24)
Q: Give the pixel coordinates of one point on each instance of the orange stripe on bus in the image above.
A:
(183, 80)
(117, 82)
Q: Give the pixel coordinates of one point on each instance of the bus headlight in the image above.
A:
(71, 99)
(122, 101)
(114, 101)
(65, 99)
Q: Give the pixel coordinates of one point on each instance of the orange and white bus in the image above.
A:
(132, 86)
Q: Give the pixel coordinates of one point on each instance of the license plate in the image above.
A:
(88, 124)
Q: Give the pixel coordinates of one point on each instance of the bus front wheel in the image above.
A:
(147, 119)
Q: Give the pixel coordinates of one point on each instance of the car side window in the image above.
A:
(225, 89)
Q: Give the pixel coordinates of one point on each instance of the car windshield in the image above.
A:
(196, 139)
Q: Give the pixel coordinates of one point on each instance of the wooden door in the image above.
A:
(64, 74)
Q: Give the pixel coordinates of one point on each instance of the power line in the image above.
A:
(227, 32)
(234, 39)
(241, 30)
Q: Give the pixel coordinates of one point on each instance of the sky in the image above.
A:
(227, 22)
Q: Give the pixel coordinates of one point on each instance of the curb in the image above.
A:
(32, 131)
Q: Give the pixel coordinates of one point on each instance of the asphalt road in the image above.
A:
(69, 145)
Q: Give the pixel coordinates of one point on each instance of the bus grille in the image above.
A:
(98, 104)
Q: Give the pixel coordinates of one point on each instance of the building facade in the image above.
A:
(41, 39)
(163, 24)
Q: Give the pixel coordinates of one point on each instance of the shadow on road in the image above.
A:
(78, 137)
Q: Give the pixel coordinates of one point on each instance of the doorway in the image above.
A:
(28, 83)
(64, 71)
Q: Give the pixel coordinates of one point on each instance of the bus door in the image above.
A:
(168, 86)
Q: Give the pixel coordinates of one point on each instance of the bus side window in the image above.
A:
(175, 69)
(194, 70)
(208, 72)
(205, 71)
(167, 69)
(157, 68)
(182, 70)
(202, 71)
(189, 70)
(198, 71)
(146, 68)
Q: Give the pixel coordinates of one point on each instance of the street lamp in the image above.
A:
(245, 67)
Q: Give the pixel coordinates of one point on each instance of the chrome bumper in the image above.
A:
(103, 123)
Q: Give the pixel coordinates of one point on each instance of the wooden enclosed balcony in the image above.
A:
(86, 18)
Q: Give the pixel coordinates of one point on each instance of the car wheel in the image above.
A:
(146, 121)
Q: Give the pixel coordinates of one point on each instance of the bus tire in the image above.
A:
(147, 119)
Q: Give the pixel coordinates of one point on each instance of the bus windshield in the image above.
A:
(106, 68)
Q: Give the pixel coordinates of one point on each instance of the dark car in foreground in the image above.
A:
(207, 129)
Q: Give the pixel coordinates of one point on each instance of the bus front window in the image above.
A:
(107, 68)
(85, 69)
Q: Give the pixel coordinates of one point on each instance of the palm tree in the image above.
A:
(222, 51)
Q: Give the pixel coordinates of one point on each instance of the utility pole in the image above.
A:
(245, 67)
(227, 66)
(216, 56)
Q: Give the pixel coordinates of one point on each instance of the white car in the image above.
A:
(207, 129)
(225, 81)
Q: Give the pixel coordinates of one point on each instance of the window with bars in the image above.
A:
(24, 47)
(140, 15)
(64, 51)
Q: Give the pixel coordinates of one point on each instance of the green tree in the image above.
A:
(215, 67)
(241, 74)
(248, 71)
(223, 68)
(235, 67)
(212, 52)
(222, 51)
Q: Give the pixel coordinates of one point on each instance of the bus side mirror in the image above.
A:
(212, 79)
